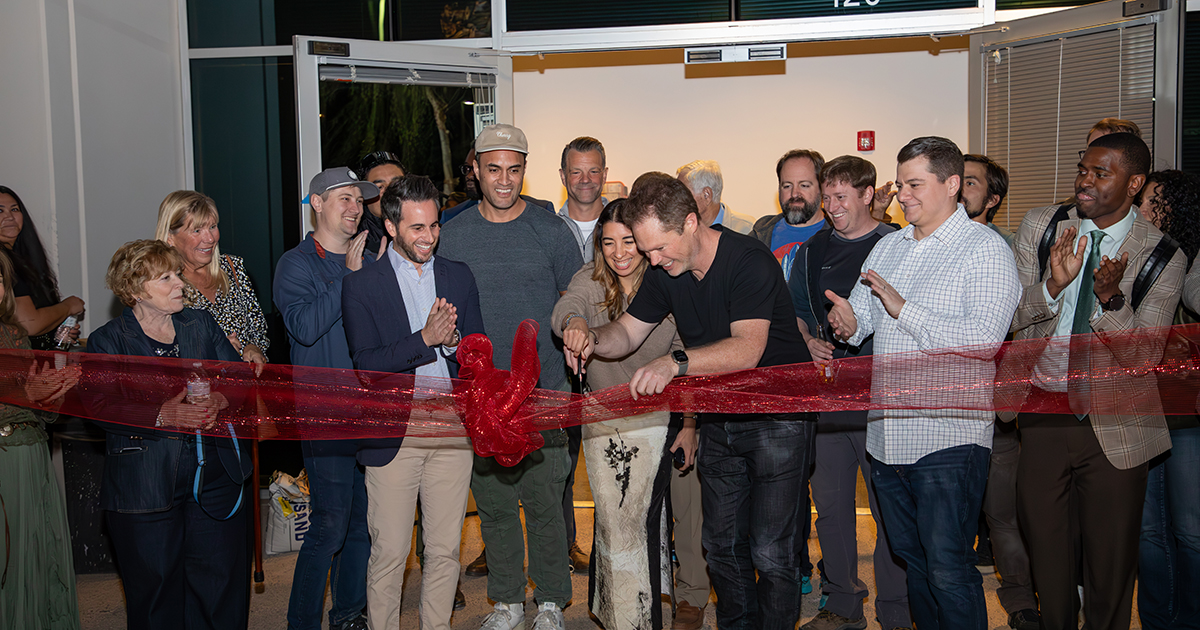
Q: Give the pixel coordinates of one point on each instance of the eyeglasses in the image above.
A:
(464, 169)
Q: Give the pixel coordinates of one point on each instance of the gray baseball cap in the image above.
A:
(501, 137)
(337, 177)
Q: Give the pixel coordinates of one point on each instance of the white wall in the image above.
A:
(650, 117)
(91, 130)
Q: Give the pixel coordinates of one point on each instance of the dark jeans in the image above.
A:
(336, 544)
(931, 511)
(753, 469)
(182, 568)
(1169, 551)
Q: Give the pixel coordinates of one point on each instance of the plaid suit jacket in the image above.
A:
(1128, 439)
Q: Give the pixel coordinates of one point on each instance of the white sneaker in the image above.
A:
(549, 617)
(507, 617)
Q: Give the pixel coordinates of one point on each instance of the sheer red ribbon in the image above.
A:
(1144, 372)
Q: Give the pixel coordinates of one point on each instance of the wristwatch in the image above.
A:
(681, 360)
(1114, 303)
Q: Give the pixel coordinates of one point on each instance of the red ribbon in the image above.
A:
(1148, 371)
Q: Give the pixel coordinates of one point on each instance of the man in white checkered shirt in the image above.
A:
(947, 287)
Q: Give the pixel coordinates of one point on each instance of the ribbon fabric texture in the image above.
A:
(1147, 372)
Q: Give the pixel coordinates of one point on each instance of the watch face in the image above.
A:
(679, 356)
(1115, 303)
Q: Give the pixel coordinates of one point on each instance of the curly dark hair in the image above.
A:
(1178, 203)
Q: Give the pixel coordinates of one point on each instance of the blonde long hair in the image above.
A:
(614, 301)
(184, 207)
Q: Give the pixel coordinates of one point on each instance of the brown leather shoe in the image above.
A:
(688, 617)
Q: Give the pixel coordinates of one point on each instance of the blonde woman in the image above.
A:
(627, 459)
(187, 221)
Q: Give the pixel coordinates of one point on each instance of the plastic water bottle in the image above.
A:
(198, 386)
(62, 336)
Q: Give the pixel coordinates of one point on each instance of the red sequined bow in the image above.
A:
(495, 396)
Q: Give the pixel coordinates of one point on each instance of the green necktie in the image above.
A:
(1085, 302)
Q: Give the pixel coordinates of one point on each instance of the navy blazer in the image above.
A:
(379, 334)
(140, 465)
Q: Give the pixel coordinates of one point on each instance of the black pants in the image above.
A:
(182, 568)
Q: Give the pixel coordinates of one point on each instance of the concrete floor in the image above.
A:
(102, 605)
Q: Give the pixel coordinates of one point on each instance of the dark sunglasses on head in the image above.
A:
(371, 160)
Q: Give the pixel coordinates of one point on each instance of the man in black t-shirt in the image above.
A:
(733, 312)
(832, 260)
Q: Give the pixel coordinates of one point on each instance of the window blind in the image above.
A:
(1042, 98)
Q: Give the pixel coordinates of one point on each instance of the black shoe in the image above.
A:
(1027, 619)
(478, 566)
(579, 560)
(460, 600)
(357, 623)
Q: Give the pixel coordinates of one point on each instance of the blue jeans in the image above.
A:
(931, 513)
(752, 472)
(336, 544)
(1169, 549)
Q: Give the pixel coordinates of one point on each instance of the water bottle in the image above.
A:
(198, 386)
(62, 339)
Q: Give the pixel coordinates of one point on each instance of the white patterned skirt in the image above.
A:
(629, 472)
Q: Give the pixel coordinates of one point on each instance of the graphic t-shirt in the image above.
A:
(785, 238)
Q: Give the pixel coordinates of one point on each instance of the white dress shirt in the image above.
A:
(1050, 373)
(419, 292)
(960, 288)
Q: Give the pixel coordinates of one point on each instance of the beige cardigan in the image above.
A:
(584, 297)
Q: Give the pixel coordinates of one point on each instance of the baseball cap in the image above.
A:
(338, 177)
(501, 138)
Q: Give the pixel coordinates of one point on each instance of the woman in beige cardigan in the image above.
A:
(628, 461)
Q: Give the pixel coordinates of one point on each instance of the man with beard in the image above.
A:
(407, 315)
(703, 179)
(985, 184)
(800, 203)
(381, 168)
(1081, 479)
(831, 260)
(523, 260)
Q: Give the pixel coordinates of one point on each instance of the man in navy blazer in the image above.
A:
(408, 316)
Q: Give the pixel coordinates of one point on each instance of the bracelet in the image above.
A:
(572, 315)
(595, 338)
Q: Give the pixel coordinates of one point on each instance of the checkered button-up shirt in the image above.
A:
(960, 289)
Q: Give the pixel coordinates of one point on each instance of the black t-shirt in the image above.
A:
(744, 282)
(840, 272)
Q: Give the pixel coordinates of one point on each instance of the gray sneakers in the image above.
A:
(507, 617)
(549, 617)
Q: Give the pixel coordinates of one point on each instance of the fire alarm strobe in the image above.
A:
(866, 141)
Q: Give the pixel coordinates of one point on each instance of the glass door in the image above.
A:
(423, 102)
